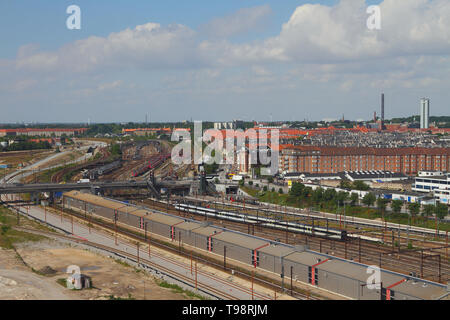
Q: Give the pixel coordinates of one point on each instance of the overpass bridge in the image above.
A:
(95, 187)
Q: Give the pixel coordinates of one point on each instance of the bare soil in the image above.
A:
(110, 278)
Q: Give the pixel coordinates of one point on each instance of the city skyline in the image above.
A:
(252, 61)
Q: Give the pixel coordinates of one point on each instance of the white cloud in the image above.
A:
(314, 34)
(323, 34)
(237, 23)
(110, 85)
(146, 46)
(320, 49)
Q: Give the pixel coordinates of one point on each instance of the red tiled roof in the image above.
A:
(334, 151)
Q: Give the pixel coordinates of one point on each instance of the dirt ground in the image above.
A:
(110, 278)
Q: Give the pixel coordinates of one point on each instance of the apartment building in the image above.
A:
(409, 161)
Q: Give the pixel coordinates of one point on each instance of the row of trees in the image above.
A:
(331, 198)
(319, 196)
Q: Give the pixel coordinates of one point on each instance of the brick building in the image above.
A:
(312, 159)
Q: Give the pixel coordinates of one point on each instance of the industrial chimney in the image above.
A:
(382, 112)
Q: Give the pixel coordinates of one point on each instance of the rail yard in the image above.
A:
(290, 252)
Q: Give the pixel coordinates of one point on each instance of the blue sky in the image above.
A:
(43, 21)
(213, 60)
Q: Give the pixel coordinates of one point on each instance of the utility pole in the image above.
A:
(137, 250)
(196, 274)
(225, 258)
(291, 281)
(252, 285)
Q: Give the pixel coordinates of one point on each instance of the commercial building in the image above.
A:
(424, 113)
(317, 159)
(439, 185)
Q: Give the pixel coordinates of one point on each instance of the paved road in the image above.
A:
(16, 176)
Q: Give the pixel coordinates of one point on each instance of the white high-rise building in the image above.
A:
(424, 113)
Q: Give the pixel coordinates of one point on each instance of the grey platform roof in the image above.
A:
(206, 231)
(162, 218)
(241, 240)
(427, 292)
(277, 250)
(305, 257)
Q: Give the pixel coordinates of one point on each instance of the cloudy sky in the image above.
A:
(221, 60)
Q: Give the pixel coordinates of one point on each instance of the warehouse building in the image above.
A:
(295, 263)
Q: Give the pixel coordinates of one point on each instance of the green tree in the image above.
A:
(441, 211)
(317, 195)
(360, 185)
(354, 198)
(381, 204)
(280, 191)
(427, 211)
(296, 189)
(115, 149)
(396, 206)
(369, 199)
(329, 194)
(414, 209)
(345, 184)
(341, 197)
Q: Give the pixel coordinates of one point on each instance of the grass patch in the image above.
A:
(113, 297)
(177, 289)
(62, 281)
(10, 236)
(123, 263)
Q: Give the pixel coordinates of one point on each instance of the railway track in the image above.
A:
(137, 235)
(192, 281)
(145, 263)
(425, 266)
(58, 176)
